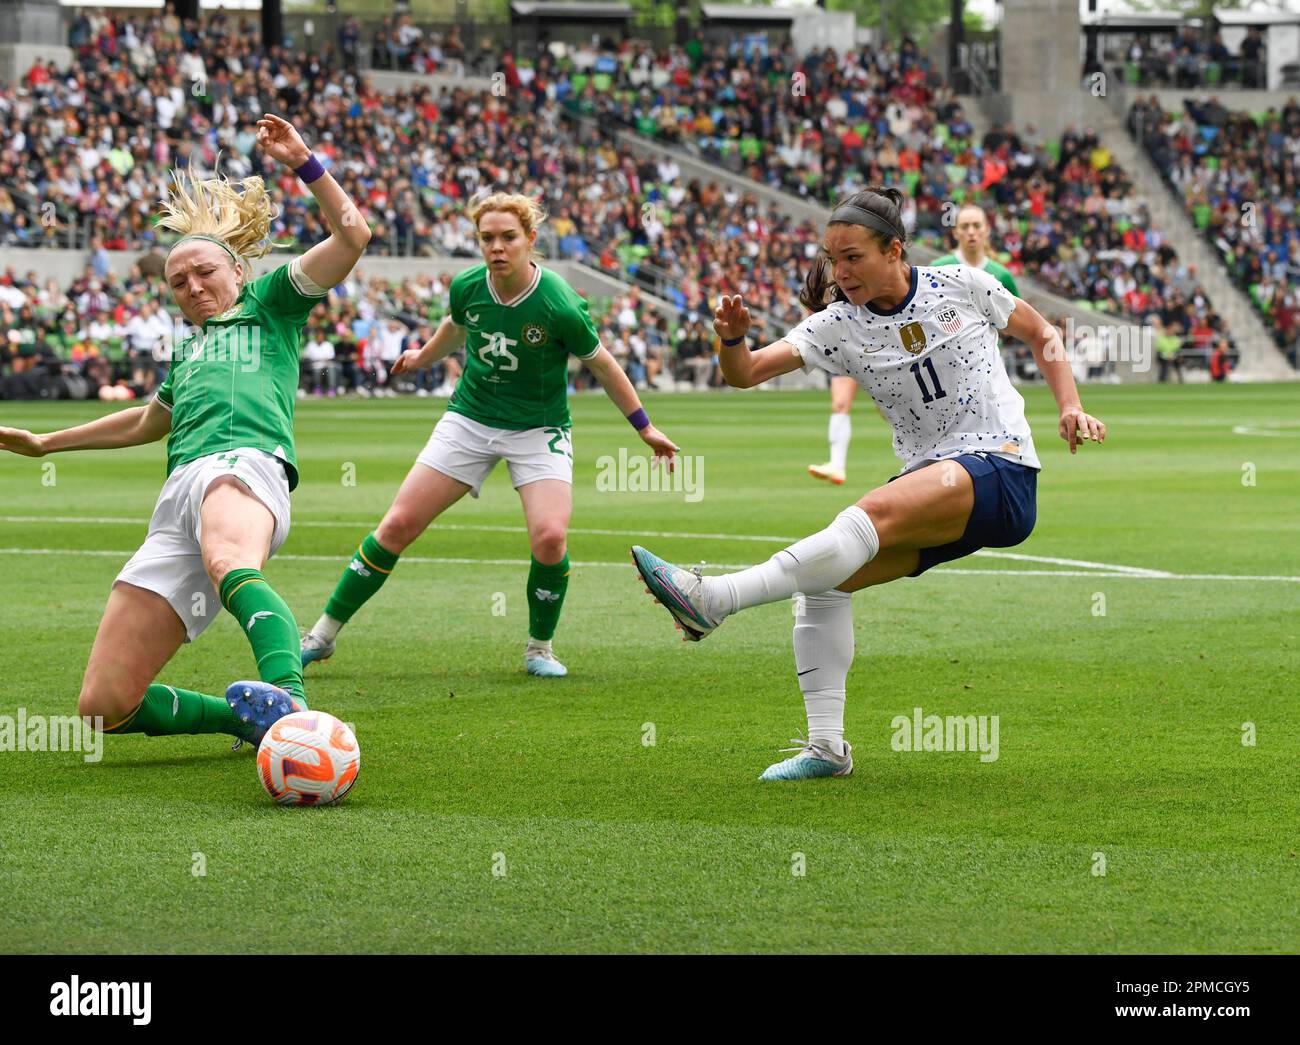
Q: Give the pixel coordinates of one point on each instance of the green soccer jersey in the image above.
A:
(998, 272)
(233, 383)
(517, 352)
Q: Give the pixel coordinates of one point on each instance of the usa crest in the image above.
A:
(949, 321)
(534, 334)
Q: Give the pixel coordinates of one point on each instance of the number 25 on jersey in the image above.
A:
(496, 352)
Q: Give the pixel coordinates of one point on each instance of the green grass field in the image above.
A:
(1120, 735)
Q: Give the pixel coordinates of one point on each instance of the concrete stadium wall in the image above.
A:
(1236, 101)
(66, 265)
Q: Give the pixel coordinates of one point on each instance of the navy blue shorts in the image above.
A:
(1004, 512)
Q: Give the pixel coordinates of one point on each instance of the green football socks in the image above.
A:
(364, 575)
(167, 711)
(269, 626)
(546, 588)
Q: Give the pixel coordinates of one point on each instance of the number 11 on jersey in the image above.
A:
(926, 396)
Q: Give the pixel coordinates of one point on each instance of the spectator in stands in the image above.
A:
(319, 366)
(696, 361)
(1168, 343)
(1220, 362)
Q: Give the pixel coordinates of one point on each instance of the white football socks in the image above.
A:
(327, 628)
(811, 566)
(840, 432)
(823, 652)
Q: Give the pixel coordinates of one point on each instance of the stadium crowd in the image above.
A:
(1187, 58)
(1238, 174)
(153, 93)
(105, 336)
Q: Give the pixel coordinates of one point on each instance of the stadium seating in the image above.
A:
(1236, 174)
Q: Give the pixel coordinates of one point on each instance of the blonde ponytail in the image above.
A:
(216, 208)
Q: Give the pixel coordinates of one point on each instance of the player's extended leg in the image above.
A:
(843, 391)
(922, 509)
(235, 540)
(424, 495)
(823, 653)
(548, 506)
(138, 634)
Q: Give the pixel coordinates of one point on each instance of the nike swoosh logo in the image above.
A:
(256, 617)
(472, 318)
(802, 673)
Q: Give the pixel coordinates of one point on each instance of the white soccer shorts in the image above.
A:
(170, 562)
(468, 451)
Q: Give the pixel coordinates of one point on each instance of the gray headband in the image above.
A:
(861, 216)
(203, 236)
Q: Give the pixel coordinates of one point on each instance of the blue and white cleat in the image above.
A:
(261, 705)
(314, 649)
(543, 664)
(813, 760)
(679, 591)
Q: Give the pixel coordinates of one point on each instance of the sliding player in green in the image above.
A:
(522, 322)
(226, 409)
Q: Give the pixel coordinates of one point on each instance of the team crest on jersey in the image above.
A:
(534, 335)
(913, 336)
(949, 321)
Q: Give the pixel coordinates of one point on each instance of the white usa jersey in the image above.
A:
(932, 365)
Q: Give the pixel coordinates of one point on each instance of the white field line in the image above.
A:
(326, 524)
(1254, 430)
(441, 561)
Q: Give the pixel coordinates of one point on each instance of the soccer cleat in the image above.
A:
(679, 591)
(260, 705)
(828, 472)
(543, 664)
(813, 760)
(315, 648)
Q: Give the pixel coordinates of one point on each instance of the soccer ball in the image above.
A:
(308, 758)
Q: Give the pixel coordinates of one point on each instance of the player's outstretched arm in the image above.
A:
(1075, 426)
(329, 262)
(446, 339)
(741, 367)
(617, 386)
(134, 427)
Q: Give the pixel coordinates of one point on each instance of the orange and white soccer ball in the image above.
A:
(308, 758)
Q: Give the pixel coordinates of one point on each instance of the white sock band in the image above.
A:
(823, 653)
(811, 566)
(839, 433)
(327, 628)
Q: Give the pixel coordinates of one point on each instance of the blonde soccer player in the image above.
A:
(972, 237)
(226, 410)
(923, 342)
(520, 322)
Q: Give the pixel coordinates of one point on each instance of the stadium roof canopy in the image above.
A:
(1225, 16)
(1154, 20)
(749, 13)
(569, 11)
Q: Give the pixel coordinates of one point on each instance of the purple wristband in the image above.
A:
(309, 171)
(733, 342)
(639, 419)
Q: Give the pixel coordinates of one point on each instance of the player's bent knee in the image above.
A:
(548, 544)
(107, 706)
(397, 532)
